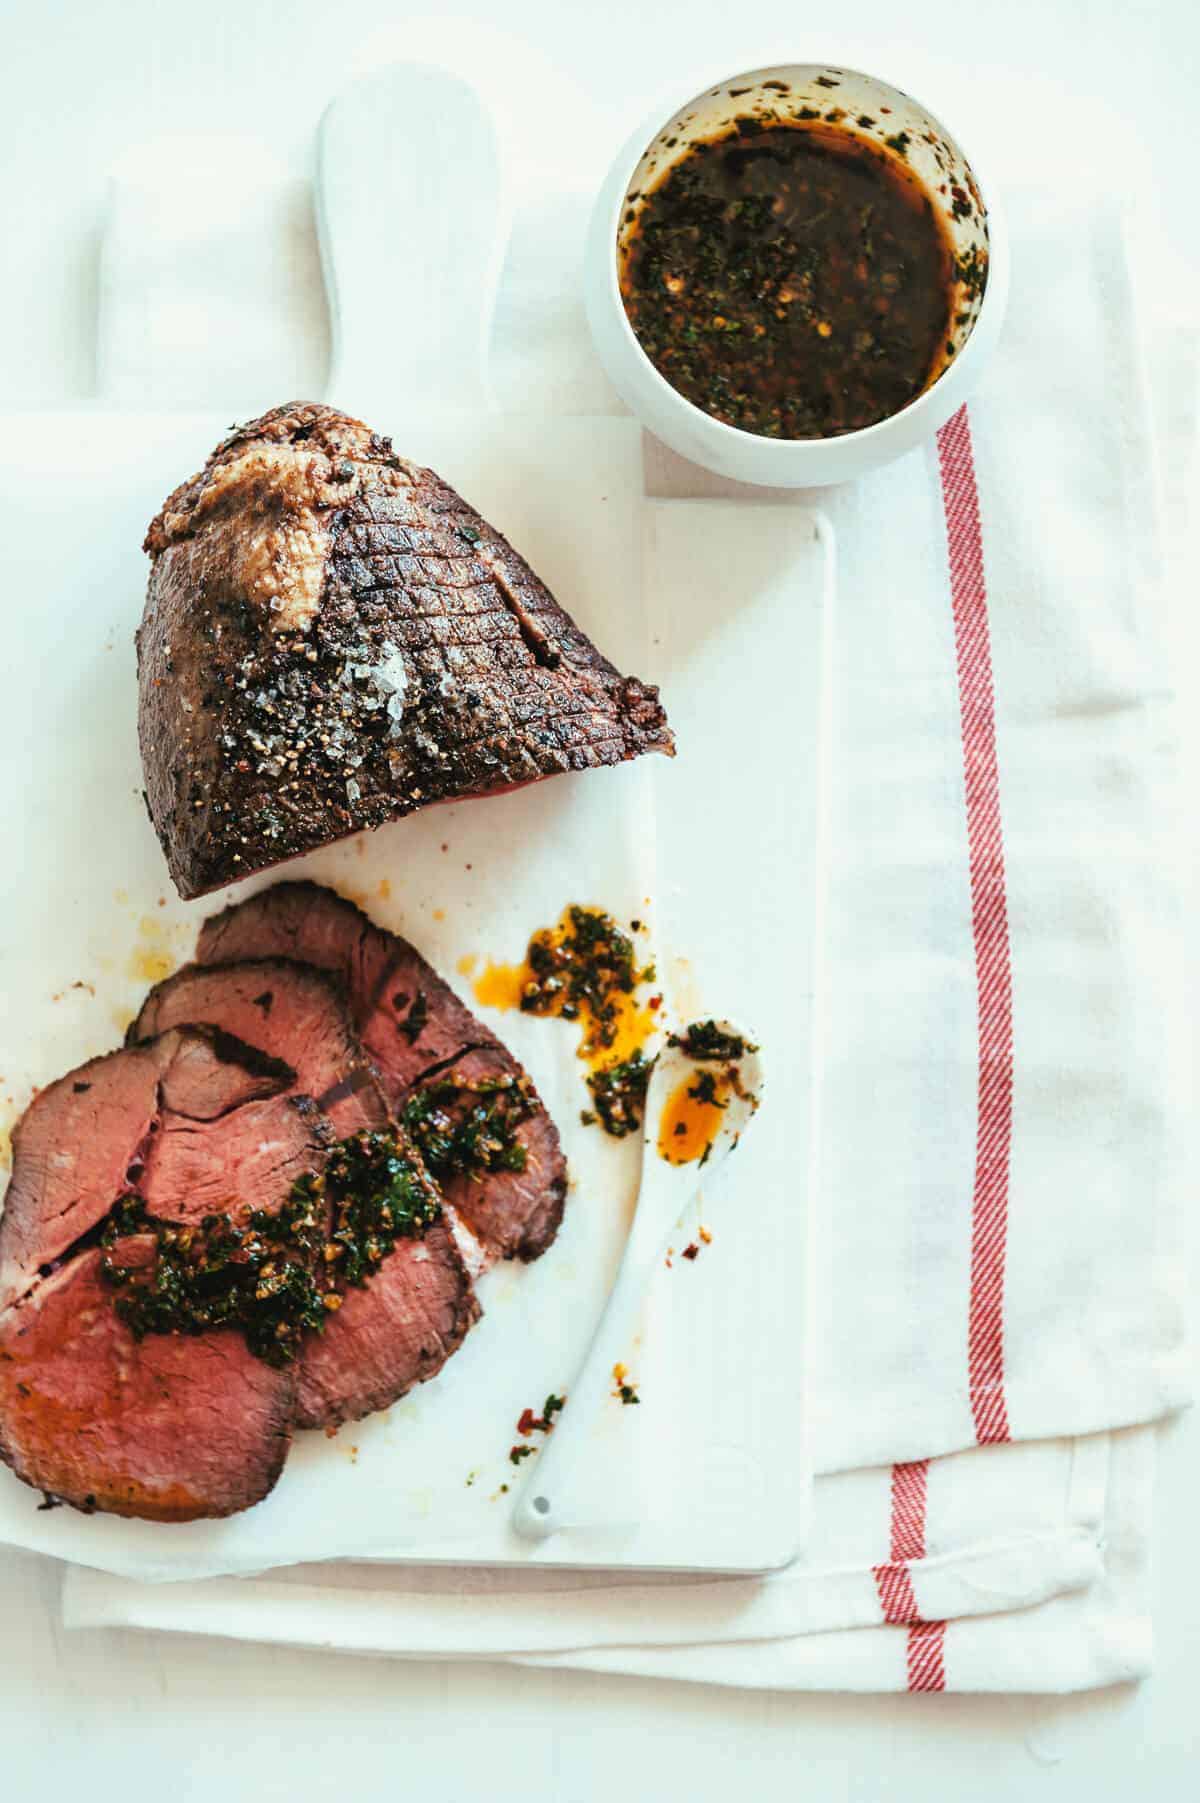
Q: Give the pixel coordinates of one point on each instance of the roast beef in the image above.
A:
(84, 1140)
(396, 1332)
(171, 1426)
(413, 1026)
(332, 638)
(400, 1328)
(515, 1214)
(286, 1009)
(407, 1017)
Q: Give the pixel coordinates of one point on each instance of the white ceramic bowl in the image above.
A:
(798, 90)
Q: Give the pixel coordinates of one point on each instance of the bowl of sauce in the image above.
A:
(796, 277)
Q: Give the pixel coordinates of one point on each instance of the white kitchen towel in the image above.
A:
(983, 1553)
(1076, 1639)
(1005, 1248)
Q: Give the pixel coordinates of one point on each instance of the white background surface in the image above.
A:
(1108, 85)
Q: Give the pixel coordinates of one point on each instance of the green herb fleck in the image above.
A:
(619, 1092)
(470, 1127)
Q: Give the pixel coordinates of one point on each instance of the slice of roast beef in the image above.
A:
(332, 638)
(413, 1024)
(170, 1428)
(84, 1140)
(382, 1340)
(396, 1332)
(249, 1158)
(515, 1214)
(290, 1012)
(407, 1017)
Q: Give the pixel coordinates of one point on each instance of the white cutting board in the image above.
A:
(725, 607)
(715, 1453)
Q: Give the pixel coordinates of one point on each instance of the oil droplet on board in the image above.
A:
(150, 960)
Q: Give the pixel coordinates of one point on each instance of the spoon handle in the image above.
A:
(544, 1506)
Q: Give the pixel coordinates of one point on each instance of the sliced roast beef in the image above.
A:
(171, 1427)
(248, 1159)
(396, 1332)
(413, 1024)
(309, 924)
(514, 1213)
(84, 1140)
(333, 638)
(291, 1012)
(407, 1017)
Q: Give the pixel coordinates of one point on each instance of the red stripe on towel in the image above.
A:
(989, 927)
(893, 1580)
(993, 979)
(926, 1656)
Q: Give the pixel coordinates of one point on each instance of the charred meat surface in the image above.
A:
(332, 638)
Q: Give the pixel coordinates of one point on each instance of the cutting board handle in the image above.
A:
(413, 216)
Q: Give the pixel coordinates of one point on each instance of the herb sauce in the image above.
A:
(274, 1276)
(470, 1127)
(586, 969)
(794, 281)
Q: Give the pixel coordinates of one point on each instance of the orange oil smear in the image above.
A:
(150, 961)
(689, 1125)
(503, 986)
(634, 1025)
(500, 985)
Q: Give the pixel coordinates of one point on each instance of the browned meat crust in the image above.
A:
(333, 638)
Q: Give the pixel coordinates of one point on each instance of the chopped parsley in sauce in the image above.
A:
(275, 1276)
(705, 1041)
(586, 969)
(470, 1127)
(619, 1095)
(792, 280)
(581, 970)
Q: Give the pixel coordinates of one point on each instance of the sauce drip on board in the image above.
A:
(585, 969)
(792, 280)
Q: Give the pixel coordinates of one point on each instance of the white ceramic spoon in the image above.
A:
(544, 1506)
(413, 216)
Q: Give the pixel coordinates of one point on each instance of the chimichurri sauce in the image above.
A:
(275, 1275)
(792, 280)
